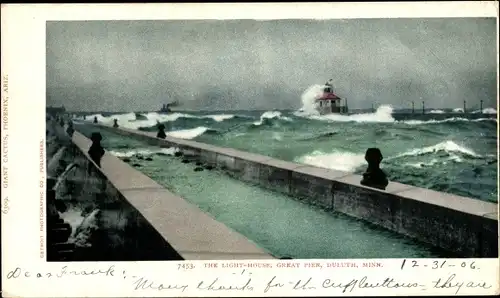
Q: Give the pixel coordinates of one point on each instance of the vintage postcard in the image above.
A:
(230, 150)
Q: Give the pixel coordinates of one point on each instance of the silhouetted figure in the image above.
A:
(161, 132)
(96, 151)
(115, 125)
(95, 119)
(84, 117)
(374, 176)
(70, 130)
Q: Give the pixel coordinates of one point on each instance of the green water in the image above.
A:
(275, 222)
(452, 153)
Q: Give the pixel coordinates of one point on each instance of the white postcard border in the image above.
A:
(23, 190)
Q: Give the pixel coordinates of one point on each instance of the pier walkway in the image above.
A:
(192, 233)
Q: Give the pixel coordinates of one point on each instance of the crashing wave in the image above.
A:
(188, 133)
(144, 152)
(82, 227)
(138, 120)
(337, 160)
(446, 146)
(489, 111)
(270, 115)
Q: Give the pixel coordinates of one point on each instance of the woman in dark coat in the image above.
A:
(161, 132)
(96, 151)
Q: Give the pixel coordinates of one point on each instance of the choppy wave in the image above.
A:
(349, 161)
(219, 118)
(144, 152)
(337, 160)
(461, 110)
(270, 115)
(137, 120)
(129, 121)
(423, 164)
(447, 120)
(437, 162)
(446, 146)
(189, 133)
(489, 111)
(126, 117)
(324, 135)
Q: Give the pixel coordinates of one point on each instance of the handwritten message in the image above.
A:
(300, 278)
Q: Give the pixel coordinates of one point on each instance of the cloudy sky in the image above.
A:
(246, 64)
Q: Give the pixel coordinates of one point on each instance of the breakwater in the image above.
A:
(461, 225)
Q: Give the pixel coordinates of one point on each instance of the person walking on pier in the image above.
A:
(374, 176)
(70, 130)
(115, 125)
(96, 151)
(161, 132)
(95, 119)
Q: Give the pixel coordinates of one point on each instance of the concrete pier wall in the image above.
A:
(465, 226)
(193, 234)
(116, 231)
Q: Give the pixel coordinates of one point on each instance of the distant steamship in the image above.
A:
(166, 108)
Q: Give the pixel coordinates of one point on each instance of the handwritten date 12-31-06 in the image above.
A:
(438, 264)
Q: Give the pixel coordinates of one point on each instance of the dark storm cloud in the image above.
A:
(245, 64)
